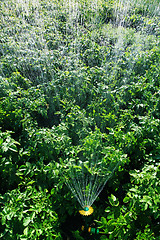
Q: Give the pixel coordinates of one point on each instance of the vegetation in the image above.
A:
(69, 71)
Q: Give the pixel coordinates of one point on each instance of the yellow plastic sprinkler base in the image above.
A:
(87, 210)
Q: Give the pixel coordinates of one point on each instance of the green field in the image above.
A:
(79, 89)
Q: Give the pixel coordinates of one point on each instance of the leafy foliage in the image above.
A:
(28, 215)
(141, 207)
(79, 79)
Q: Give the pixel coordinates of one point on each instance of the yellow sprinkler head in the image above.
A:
(86, 211)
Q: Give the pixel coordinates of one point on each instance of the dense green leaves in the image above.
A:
(79, 80)
(141, 205)
(28, 215)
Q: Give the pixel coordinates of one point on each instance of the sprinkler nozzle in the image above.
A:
(86, 208)
(86, 211)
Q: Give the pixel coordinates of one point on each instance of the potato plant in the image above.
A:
(71, 71)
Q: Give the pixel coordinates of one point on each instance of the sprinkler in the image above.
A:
(88, 227)
(86, 211)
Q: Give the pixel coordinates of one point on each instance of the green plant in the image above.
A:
(79, 80)
(28, 215)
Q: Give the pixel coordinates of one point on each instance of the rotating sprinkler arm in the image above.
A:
(86, 211)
